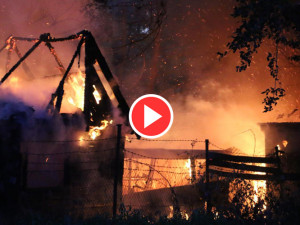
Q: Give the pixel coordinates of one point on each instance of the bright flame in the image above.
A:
(186, 216)
(259, 187)
(96, 95)
(96, 131)
(284, 143)
(75, 89)
(10, 43)
(75, 95)
(14, 81)
(188, 165)
(171, 211)
(81, 139)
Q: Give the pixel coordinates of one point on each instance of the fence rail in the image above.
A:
(241, 159)
(270, 166)
(245, 167)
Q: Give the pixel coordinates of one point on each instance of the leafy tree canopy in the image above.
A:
(276, 20)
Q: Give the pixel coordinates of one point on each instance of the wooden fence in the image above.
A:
(244, 167)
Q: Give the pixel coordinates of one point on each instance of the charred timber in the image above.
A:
(96, 53)
(20, 61)
(60, 89)
(58, 61)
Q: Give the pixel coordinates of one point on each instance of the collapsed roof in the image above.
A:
(93, 111)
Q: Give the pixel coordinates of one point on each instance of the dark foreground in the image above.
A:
(135, 218)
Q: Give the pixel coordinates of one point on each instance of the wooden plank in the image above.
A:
(108, 74)
(243, 175)
(237, 166)
(282, 177)
(235, 158)
(12, 69)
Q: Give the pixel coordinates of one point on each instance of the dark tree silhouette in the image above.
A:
(276, 20)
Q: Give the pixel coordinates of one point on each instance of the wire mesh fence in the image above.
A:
(78, 177)
(164, 181)
(73, 176)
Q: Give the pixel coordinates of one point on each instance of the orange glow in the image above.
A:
(14, 81)
(95, 131)
(188, 165)
(259, 187)
(177, 172)
(10, 43)
(75, 89)
(96, 95)
(284, 143)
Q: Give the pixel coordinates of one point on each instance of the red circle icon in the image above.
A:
(151, 116)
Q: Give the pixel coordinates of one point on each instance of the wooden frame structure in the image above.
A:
(93, 112)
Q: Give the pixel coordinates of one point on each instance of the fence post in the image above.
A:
(116, 177)
(24, 171)
(277, 151)
(129, 173)
(193, 168)
(278, 158)
(207, 191)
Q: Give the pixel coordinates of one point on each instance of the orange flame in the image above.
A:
(75, 90)
(188, 165)
(95, 132)
(96, 95)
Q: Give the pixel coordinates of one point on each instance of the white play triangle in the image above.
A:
(150, 116)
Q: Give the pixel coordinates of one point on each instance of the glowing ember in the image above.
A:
(284, 143)
(171, 214)
(10, 43)
(127, 139)
(186, 216)
(13, 80)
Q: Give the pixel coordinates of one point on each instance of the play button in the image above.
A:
(151, 116)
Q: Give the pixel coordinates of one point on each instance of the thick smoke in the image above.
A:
(60, 19)
(209, 98)
(29, 94)
(225, 125)
(32, 18)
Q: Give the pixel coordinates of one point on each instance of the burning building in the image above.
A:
(58, 161)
